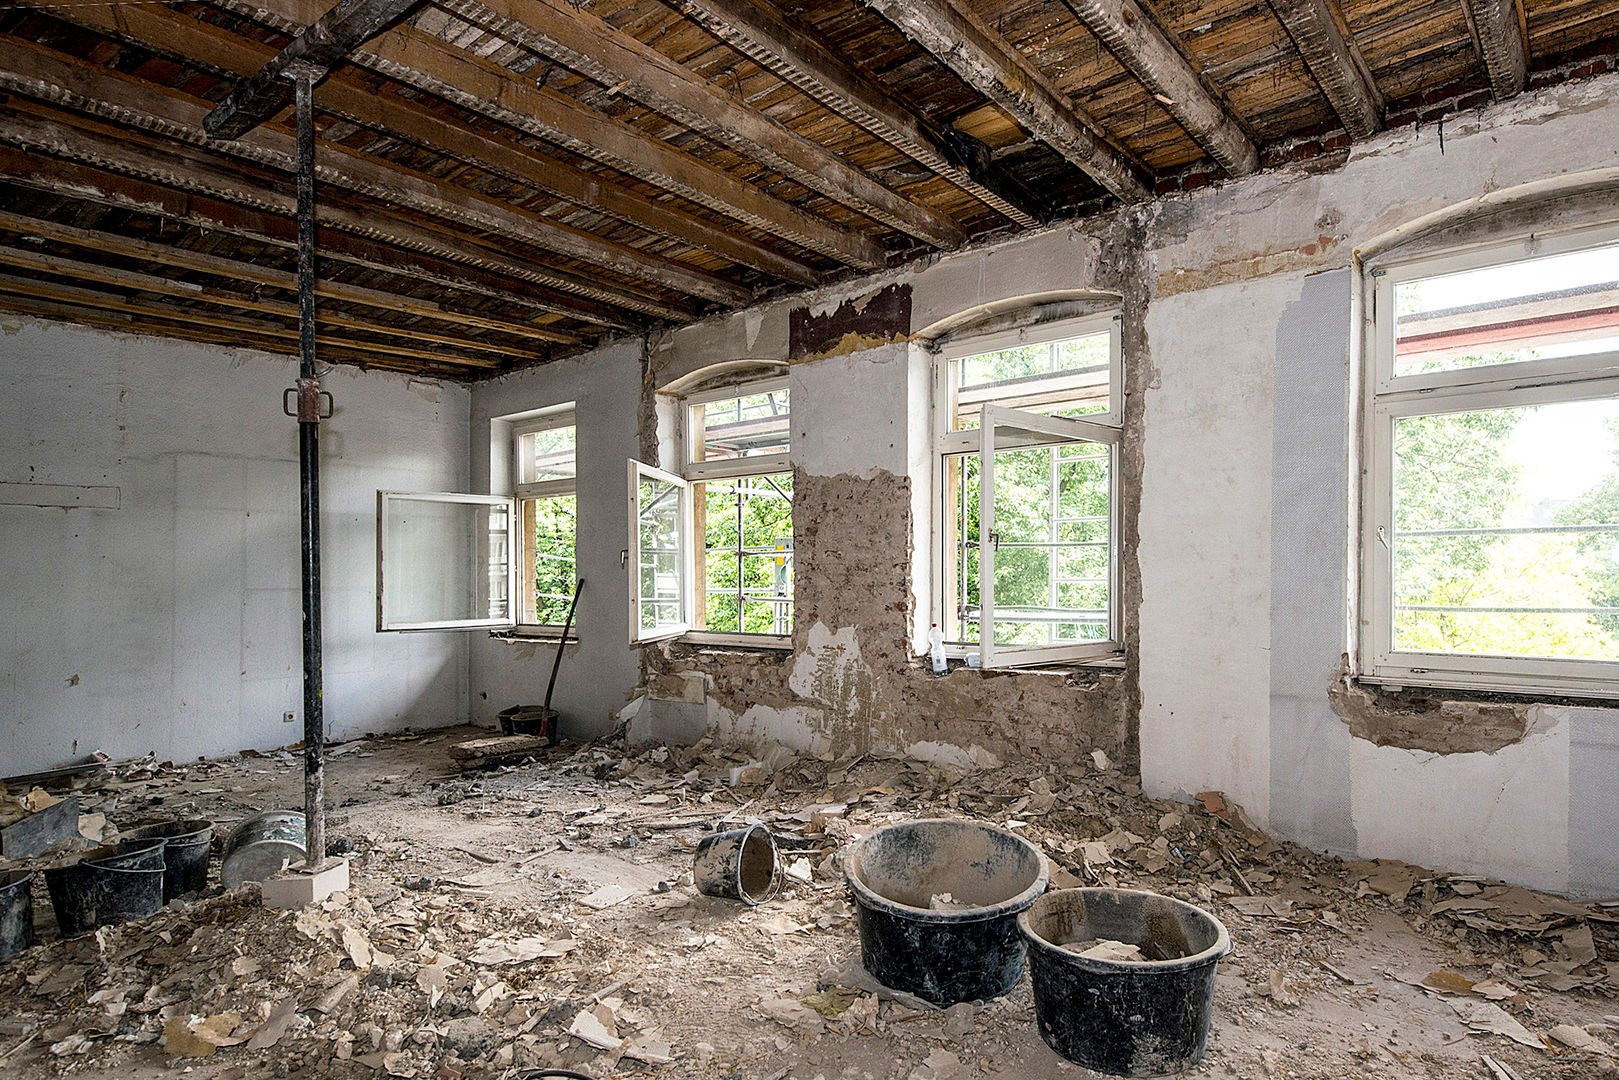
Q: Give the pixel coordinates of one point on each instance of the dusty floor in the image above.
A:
(427, 967)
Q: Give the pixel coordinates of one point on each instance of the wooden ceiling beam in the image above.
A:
(175, 34)
(184, 290)
(74, 294)
(321, 47)
(47, 76)
(231, 269)
(1319, 34)
(961, 40)
(1130, 30)
(596, 48)
(410, 251)
(1498, 31)
(480, 86)
(764, 36)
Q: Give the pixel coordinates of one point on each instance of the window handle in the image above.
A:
(1382, 538)
(995, 540)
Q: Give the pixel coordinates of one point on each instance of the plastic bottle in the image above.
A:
(936, 649)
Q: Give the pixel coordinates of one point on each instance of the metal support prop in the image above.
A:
(309, 476)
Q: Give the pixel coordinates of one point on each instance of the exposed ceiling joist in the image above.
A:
(965, 43)
(1499, 32)
(500, 94)
(1131, 32)
(322, 46)
(77, 269)
(762, 35)
(1319, 35)
(595, 48)
(176, 34)
(398, 249)
(92, 298)
(95, 240)
(46, 76)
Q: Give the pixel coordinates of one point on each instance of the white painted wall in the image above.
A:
(600, 672)
(173, 623)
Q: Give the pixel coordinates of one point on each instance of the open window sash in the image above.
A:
(1070, 533)
(659, 558)
(444, 561)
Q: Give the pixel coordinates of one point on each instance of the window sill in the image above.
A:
(537, 635)
(1100, 666)
(1518, 690)
(754, 642)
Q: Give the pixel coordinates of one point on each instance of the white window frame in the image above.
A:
(384, 498)
(522, 572)
(632, 555)
(697, 472)
(1391, 397)
(1104, 427)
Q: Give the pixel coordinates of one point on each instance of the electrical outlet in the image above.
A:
(287, 717)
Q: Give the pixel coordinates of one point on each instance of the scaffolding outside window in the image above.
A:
(1027, 450)
(545, 478)
(737, 441)
(1490, 547)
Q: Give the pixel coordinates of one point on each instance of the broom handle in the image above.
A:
(566, 626)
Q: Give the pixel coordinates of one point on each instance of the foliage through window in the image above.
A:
(543, 458)
(1492, 516)
(1028, 445)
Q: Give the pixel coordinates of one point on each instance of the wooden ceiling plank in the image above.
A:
(321, 47)
(403, 250)
(169, 255)
(165, 31)
(465, 79)
(1318, 33)
(594, 47)
(185, 290)
(1499, 34)
(1131, 32)
(986, 61)
(73, 294)
(764, 36)
(47, 76)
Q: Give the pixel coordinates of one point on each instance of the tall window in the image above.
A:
(1028, 460)
(548, 515)
(1491, 523)
(736, 456)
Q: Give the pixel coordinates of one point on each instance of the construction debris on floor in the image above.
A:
(543, 915)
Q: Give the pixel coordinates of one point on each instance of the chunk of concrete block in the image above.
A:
(41, 829)
(298, 888)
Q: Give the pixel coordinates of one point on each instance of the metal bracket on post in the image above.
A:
(310, 400)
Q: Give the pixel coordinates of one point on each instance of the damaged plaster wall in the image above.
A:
(1252, 330)
(863, 480)
(168, 619)
(600, 671)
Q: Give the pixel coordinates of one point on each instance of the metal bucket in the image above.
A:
(738, 865)
(16, 912)
(261, 846)
(185, 854)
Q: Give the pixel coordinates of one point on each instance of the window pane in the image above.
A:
(1060, 378)
(747, 526)
(546, 455)
(552, 524)
(1560, 305)
(658, 531)
(444, 561)
(1506, 532)
(748, 425)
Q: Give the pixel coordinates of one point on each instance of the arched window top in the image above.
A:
(1018, 313)
(722, 374)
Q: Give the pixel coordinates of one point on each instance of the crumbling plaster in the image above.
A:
(1241, 428)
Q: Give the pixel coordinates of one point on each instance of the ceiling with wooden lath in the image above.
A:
(505, 182)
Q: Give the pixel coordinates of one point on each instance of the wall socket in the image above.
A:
(287, 717)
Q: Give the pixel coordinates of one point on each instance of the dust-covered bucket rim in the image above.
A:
(1019, 902)
(1220, 948)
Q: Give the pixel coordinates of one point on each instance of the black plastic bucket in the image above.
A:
(16, 912)
(738, 865)
(261, 845)
(107, 885)
(185, 854)
(950, 950)
(1124, 1018)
